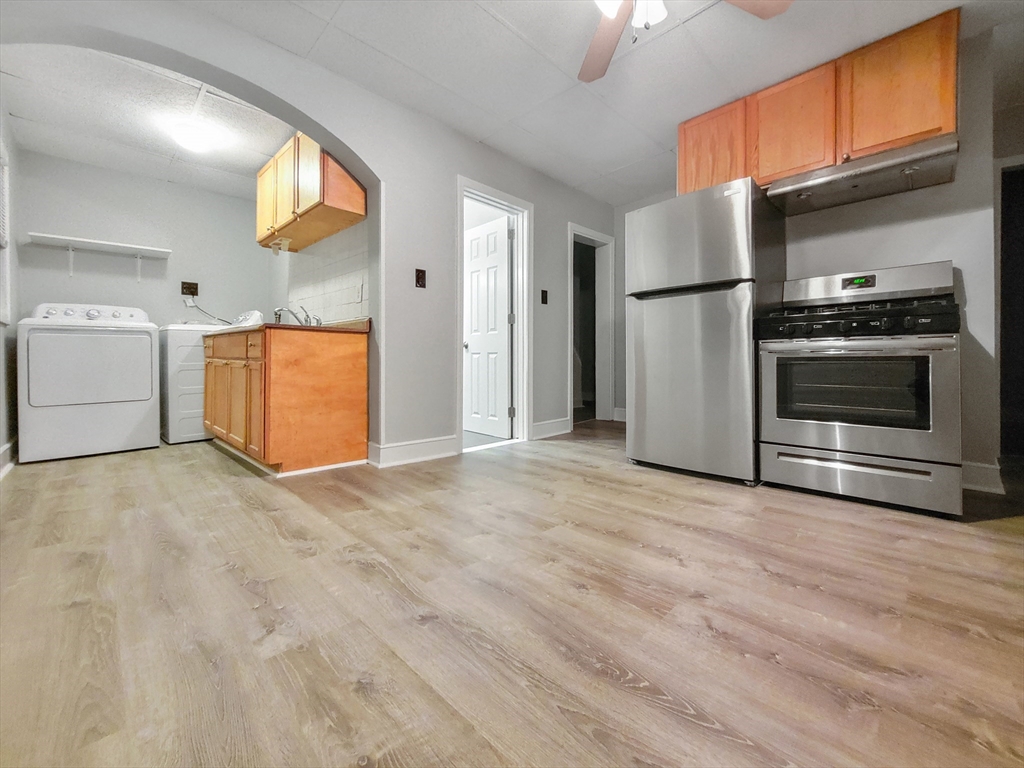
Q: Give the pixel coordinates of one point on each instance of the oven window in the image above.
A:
(873, 391)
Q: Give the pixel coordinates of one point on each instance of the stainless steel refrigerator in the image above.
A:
(698, 268)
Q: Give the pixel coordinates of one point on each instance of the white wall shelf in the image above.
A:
(138, 252)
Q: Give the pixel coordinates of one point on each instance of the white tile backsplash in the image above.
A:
(329, 278)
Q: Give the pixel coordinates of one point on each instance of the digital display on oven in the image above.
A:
(861, 281)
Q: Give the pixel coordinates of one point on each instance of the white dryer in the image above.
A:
(88, 381)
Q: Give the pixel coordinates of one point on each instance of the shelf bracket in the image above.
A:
(138, 268)
(71, 261)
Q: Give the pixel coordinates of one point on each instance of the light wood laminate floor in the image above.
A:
(542, 604)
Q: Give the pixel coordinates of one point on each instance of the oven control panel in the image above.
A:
(934, 314)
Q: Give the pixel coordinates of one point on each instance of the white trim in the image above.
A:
(604, 318)
(551, 428)
(620, 414)
(998, 166)
(413, 451)
(982, 477)
(7, 458)
(522, 290)
(490, 445)
(373, 454)
(378, 321)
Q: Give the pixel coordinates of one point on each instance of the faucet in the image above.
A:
(279, 310)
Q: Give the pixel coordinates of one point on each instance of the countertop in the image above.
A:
(343, 326)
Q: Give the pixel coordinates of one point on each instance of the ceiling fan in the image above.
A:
(616, 14)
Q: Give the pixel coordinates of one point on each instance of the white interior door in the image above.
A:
(486, 366)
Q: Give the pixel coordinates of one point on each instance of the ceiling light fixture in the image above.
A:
(647, 13)
(609, 8)
(198, 135)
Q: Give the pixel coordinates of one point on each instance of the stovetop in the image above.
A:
(898, 317)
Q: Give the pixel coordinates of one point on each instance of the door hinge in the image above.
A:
(511, 411)
(511, 318)
(511, 233)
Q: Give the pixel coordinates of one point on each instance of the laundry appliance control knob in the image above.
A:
(92, 314)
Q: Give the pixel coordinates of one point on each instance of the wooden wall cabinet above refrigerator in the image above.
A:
(892, 93)
(304, 195)
(712, 148)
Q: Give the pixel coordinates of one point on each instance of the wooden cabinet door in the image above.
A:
(208, 395)
(308, 191)
(254, 405)
(791, 127)
(221, 399)
(237, 401)
(899, 90)
(284, 173)
(712, 148)
(266, 192)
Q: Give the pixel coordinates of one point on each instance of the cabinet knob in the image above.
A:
(269, 229)
(846, 157)
(252, 343)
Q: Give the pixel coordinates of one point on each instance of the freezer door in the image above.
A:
(702, 237)
(690, 381)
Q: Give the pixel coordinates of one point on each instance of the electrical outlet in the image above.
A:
(421, 278)
(543, 297)
(189, 289)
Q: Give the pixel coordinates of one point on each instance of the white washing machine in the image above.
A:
(181, 382)
(88, 381)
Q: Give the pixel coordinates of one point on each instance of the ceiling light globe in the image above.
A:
(609, 8)
(647, 13)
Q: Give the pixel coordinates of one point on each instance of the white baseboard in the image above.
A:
(982, 477)
(550, 428)
(6, 458)
(412, 451)
(620, 414)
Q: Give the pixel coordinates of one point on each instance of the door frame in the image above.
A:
(520, 303)
(604, 320)
(999, 165)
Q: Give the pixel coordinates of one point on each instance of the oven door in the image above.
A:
(895, 396)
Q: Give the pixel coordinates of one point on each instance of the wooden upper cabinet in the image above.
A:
(305, 195)
(712, 148)
(899, 90)
(791, 127)
(284, 197)
(266, 191)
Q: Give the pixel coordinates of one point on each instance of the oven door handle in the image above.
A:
(854, 346)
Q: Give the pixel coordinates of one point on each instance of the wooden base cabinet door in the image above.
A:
(899, 90)
(254, 404)
(712, 148)
(221, 399)
(208, 395)
(791, 127)
(237, 401)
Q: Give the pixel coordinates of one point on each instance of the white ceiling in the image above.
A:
(504, 71)
(105, 110)
(500, 71)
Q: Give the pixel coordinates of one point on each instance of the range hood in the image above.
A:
(923, 164)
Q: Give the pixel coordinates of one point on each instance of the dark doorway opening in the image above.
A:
(584, 325)
(1011, 357)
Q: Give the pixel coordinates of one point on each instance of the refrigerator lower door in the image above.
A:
(690, 381)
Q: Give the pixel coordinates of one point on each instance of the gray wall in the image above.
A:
(1008, 132)
(952, 221)
(8, 396)
(210, 236)
(417, 161)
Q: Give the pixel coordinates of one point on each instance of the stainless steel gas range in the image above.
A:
(860, 387)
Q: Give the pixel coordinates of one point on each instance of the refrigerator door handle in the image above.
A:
(683, 290)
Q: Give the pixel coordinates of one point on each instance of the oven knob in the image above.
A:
(845, 326)
(92, 314)
(909, 322)
(886, 323)
(807, 329)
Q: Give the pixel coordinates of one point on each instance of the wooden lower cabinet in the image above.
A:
(254, 409)
(291, 398)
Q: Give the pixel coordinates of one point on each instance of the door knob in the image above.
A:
(465, 345)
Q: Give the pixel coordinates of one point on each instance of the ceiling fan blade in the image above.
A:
(763, 9)
(602, 47)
